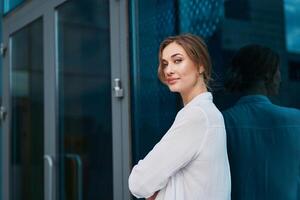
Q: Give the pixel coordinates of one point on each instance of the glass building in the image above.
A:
(81, 101)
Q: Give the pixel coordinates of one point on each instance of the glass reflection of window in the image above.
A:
(292, 15)
(11, 4)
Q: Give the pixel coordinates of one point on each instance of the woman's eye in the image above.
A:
(164, 65)
(177, 61)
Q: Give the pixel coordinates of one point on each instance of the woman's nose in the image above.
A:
(169, 70)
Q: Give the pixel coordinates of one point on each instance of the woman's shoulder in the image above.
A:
(192, 113)
(202, 113)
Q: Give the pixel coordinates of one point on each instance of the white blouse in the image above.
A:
(190, 162)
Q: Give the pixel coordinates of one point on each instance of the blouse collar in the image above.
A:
(205, 96)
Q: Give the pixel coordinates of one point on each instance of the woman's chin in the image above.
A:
(173, 89)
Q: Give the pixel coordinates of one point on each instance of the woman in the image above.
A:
(190, 162)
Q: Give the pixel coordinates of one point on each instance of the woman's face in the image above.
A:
(181, 74)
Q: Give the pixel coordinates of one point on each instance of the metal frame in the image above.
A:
(120, 108)
(23, 16)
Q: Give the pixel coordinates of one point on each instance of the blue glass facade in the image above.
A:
(150, 99)
(226, 26)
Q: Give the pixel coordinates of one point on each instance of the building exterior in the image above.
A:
(81, 101)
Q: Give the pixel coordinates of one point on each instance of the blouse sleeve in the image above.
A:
(177, 148)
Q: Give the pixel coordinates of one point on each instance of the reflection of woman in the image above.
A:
(263, 138)
(254, 70)
(190, 162)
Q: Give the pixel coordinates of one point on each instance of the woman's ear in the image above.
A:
(201, 69)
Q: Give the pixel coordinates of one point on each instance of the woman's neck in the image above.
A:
(188, 96)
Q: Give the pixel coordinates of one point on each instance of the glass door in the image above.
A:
(65, 89)
(84, 100)
(27, 114)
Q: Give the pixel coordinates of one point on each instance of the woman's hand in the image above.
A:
(153, 196)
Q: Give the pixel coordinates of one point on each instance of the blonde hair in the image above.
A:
(196, 50)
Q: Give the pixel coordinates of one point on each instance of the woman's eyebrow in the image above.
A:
(176, 54)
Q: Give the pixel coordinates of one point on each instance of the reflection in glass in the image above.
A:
(244, 22)
(27, 122)
(292, 14)
(231, 7)
(263, 139)
(85, 138)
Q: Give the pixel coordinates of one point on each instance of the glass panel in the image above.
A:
(11, 4)
(150, 122)
(27, 122)
(226, 26)
(85, 132)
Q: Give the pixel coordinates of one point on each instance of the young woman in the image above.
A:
(190, 162)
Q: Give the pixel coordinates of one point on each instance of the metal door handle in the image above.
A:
(118, 91)
(78, 161)
(49, 160)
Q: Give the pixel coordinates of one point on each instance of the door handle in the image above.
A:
(118, 90)
(50, 162)
(77, 159)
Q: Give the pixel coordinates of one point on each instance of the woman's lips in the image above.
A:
(172, 81)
